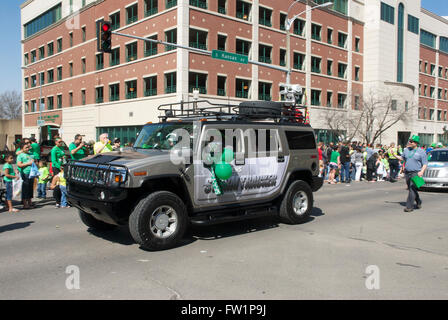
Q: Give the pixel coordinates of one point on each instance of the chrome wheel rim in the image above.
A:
(163, 222)
(300, 203)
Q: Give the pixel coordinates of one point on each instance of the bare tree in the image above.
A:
(10, 105)
(378, 112)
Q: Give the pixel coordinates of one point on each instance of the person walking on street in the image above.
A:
(415, 164)
(57, 155)
(103, 145)
(24, 162)
(77, 148)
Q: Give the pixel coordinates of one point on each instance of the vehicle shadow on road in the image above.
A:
(15, 226)
(120, 235)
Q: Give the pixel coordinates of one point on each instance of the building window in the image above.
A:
(440, 72)
(265, 16)
(433, 67)
(83, 97)
(42, 78)
(283, 18)
(357, 73)
(387, 13)
(71, 39)
(315, 32)
(299, 60)
(282, 57)
(243, 10)
(431, 115)
(170, 82)
(27, 83)
(242, 88)
(222, 6)
(329, 99)
(197, 81)
(342, 40)
(150, 86)
(199, 3)
(393, 106)
(315, 64)
(99, 95)
(299, 27)
(84, 35)
(341, 100)
(222, 86)
(50, 76)
(222, 41)
(131, 89)
(132, 14)
(151, 7)
(50, 101)
(170, 3)
(330, 36)
(131, 52)
(357, 103)
(115, 57)
(443, 42)
(357, 42)
(342, 68)
(99, 61)
(315, 97)
(439, 94)
(264, 91)
(243, 47)
(33, 81)
(151, 47)
(170, 37)
(71, 68)
(83, 65)
(198, 39)
(33, 56)
(264, 53)
(59, 45)
(431, 92)
(329, 67)
(413, 24)
(439, 115)
(400, 43)
(428, 39)
(50, 49)
(43, 21)
(26, 59)
(114, 92)
(33, 106)
(59, 98)
(115, 21)
(41, 53)
(27, 106)
(70, 98)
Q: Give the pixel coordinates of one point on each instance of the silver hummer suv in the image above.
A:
(203, 163)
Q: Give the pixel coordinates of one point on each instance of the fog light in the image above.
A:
(102, 195)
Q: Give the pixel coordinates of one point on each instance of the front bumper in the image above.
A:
(436, 183)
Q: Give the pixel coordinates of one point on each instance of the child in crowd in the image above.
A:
(60, 181)
(44, 177)
(10, 175)
(381, 170)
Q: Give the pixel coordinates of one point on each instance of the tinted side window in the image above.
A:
(299, 140)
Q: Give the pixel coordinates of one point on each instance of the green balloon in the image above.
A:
(223, 171)
(227, 155)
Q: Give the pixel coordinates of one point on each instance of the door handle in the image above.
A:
(281, 159)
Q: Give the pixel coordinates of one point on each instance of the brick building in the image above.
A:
(337, 55)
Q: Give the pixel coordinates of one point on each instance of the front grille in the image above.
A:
(431, 173)
(93, 175)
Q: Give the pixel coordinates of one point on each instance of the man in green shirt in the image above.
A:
(77, 149)
(57, 154)
(35, 149)
(24, 162)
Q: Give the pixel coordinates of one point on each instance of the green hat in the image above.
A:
(440, 145)
(415, 138)
(434, 145)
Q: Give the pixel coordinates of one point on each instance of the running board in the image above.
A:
(211, 219)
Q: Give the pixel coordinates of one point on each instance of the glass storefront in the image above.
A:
(126, 134)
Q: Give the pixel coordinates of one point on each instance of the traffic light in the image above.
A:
(104, 36)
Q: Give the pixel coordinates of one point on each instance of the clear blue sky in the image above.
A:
(10, 55)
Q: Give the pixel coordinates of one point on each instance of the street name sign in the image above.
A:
(228, 56)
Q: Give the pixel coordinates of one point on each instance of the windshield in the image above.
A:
(439, 156)
(162, 136)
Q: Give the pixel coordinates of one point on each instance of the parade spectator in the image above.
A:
(416, 163)
(335, 163)
(394, 162)
(372, 166)
(103, 145)
(345, 162)
(57, 156)
(10, 175)
(44, 177)
(20, 148)
(24, 162)
(357, 161)
(117, 144)
(60, 181)
(35, 149)
(77, 148)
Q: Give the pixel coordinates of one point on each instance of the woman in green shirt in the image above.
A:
(335, 163)
(24, 162)
(10, 175)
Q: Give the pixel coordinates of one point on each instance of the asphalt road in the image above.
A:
(352, 227)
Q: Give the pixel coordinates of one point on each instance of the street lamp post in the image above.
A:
(40, 99)
(288, 25)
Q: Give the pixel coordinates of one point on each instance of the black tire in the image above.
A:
(93, 223)
(143, 222)
(286, 211)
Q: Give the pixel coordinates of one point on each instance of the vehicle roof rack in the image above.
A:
(265, 111)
